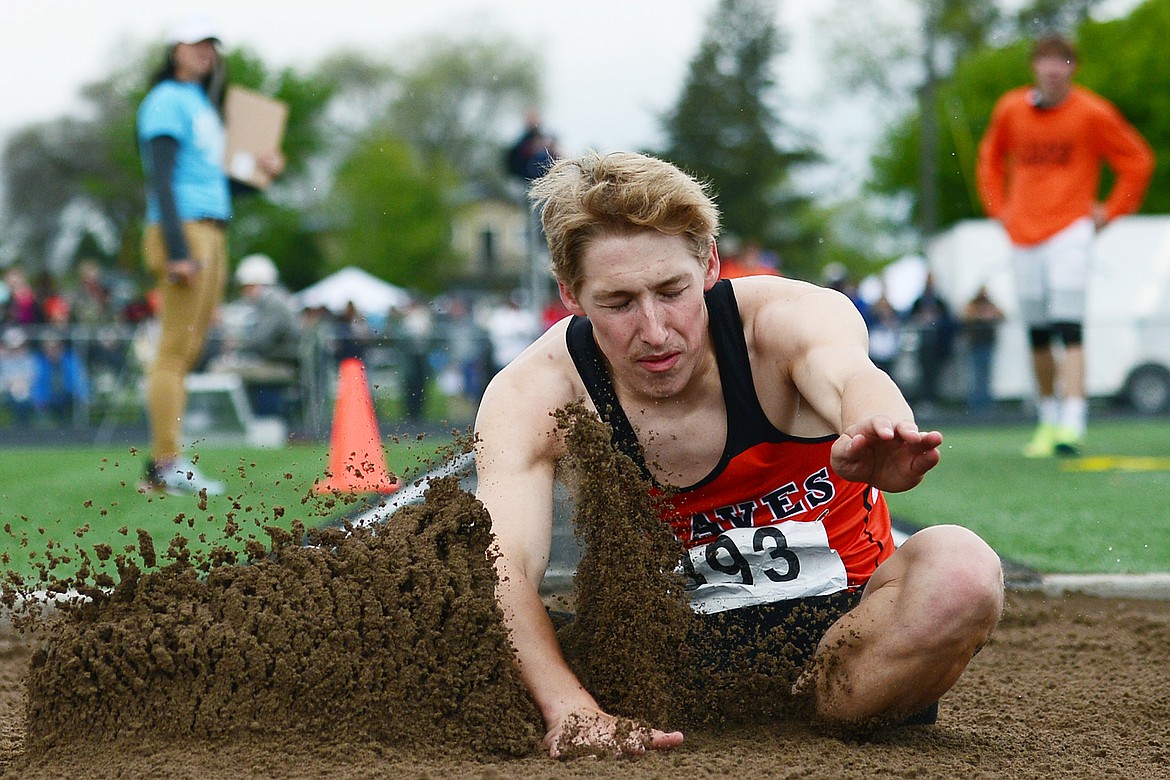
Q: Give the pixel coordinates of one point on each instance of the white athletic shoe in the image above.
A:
(179, 478)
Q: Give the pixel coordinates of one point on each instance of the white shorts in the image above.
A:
(1051, 277)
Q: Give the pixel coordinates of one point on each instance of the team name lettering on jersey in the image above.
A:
(1046, 153)
(783, 503)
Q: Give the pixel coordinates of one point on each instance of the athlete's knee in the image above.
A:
(964, 579)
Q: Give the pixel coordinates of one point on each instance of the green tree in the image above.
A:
(963, 109)
(393, 213)
(725, 129)
(1045, 16)
(279, 222)
(1124, 60)
(460, 102)
(898, 60)
(430, 135)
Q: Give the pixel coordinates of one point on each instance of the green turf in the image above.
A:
(1051, 515)
(1093, 515)
(79, 497)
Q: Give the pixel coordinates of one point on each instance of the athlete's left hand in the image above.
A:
(890, 456)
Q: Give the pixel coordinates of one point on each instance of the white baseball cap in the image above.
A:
(194, 27)
(256, 269)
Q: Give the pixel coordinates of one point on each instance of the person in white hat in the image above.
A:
(266, 348)
(182, 139)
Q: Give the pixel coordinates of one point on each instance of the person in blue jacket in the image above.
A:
(182, 139)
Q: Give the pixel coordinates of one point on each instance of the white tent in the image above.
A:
(372, 296)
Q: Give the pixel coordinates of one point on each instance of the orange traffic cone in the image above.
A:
(357, 463)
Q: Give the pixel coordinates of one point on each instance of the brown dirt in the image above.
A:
(383, 655)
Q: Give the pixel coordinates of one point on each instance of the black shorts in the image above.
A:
(780, 637)
(773, 644)
(742, 663)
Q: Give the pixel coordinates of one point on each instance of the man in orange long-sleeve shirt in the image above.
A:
(1039, 172)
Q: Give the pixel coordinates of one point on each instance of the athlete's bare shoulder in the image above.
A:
(519, 401)
(789, 311)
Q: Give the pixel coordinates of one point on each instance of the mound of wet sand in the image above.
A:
(381, 653)
(389, 635)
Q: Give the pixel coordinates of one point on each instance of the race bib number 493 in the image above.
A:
(746, 566)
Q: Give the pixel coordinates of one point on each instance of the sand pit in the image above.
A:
(381, 654)
(1070, 687)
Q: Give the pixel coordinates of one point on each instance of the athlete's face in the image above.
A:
(644, 296)
(1053, 76)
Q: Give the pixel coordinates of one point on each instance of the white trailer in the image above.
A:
(1127, 322)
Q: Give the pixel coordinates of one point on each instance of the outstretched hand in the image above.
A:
(890, 456)
(591, 732)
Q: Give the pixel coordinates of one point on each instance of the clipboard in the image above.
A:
(255, 124)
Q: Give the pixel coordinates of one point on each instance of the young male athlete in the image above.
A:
(1038, 173)
(757, 399)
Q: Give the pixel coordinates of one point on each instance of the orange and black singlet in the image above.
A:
(772, 521)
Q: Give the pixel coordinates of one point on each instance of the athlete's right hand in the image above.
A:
(591, 732)
(184, 270)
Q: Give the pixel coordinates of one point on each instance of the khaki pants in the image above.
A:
(185, 314)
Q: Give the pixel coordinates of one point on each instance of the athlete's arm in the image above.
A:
(163, 151)
(516, 455)
(1132, 161)
(991, 165)
(826, 345)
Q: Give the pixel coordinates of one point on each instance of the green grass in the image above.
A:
(1045, 514)
(78, 497)
(1055, 515)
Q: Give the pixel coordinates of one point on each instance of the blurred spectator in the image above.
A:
(98, 340)
(352, 333)
(61, 385)
(534, 151)
(18, 371)
(553, 312)
(57, 311)
(55, 306)
(511, 328)
(466, 343)
(749, 260)
(24, 308)
(140, 309)
(935, 326)
(885, 335)
(415, 330)
(92, 302)
(58, 314)
(981, 319)
(264, 346)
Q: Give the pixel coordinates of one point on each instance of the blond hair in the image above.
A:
(621, 193)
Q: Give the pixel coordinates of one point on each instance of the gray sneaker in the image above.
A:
(179, 478)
